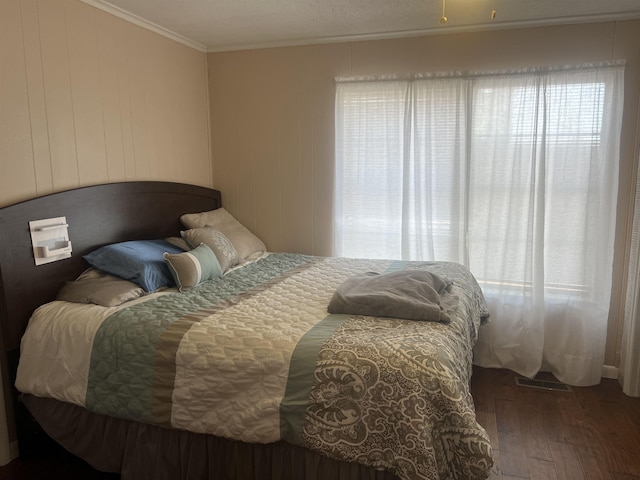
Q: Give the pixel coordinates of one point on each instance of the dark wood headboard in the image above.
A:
(96, 215)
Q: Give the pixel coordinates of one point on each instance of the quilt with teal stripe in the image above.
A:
(254, 356)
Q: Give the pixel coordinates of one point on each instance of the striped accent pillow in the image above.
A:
(193, 267)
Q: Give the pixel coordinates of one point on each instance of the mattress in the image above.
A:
(255, 356)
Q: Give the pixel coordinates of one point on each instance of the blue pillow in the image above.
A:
(139, 261)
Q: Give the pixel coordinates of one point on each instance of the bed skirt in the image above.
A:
(140, 451)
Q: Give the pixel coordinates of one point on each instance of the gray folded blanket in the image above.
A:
(407, 294)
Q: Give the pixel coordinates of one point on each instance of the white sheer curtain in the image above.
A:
(630, 354)
(512, 174)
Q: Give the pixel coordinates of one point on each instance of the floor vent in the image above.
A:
(543, 384)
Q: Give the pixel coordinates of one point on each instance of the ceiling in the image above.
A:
(217, 25)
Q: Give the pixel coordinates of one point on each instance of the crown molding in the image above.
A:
(439, 30)
(141, 22)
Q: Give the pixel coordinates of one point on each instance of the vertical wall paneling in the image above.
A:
(170, 156)
(138, 72)
(106, 33)
(17, 172)
(58, 96)
(35, 88)
(89, 98)
(86, 92)
(156, 110)
(179, 129)
(124, 94)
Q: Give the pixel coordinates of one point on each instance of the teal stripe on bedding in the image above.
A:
(301, 377)
(124, 357)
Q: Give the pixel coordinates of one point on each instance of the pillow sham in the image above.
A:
(139, 261)
(193, 267)
(94, 286)
(245, 242)
(222, 247)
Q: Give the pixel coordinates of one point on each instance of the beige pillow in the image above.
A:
(94, 286)
(178, 242)
(245, 242)
(216, 240)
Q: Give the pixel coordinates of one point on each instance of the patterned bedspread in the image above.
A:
(254, 356)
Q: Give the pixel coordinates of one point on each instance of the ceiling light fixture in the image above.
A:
(444, 19)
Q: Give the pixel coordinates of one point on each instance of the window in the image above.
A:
(512, 174)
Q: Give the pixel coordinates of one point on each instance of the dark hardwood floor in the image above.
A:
(587, 433)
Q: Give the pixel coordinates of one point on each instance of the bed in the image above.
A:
(251, 367)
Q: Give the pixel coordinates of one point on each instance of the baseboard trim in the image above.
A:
(609, 371)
